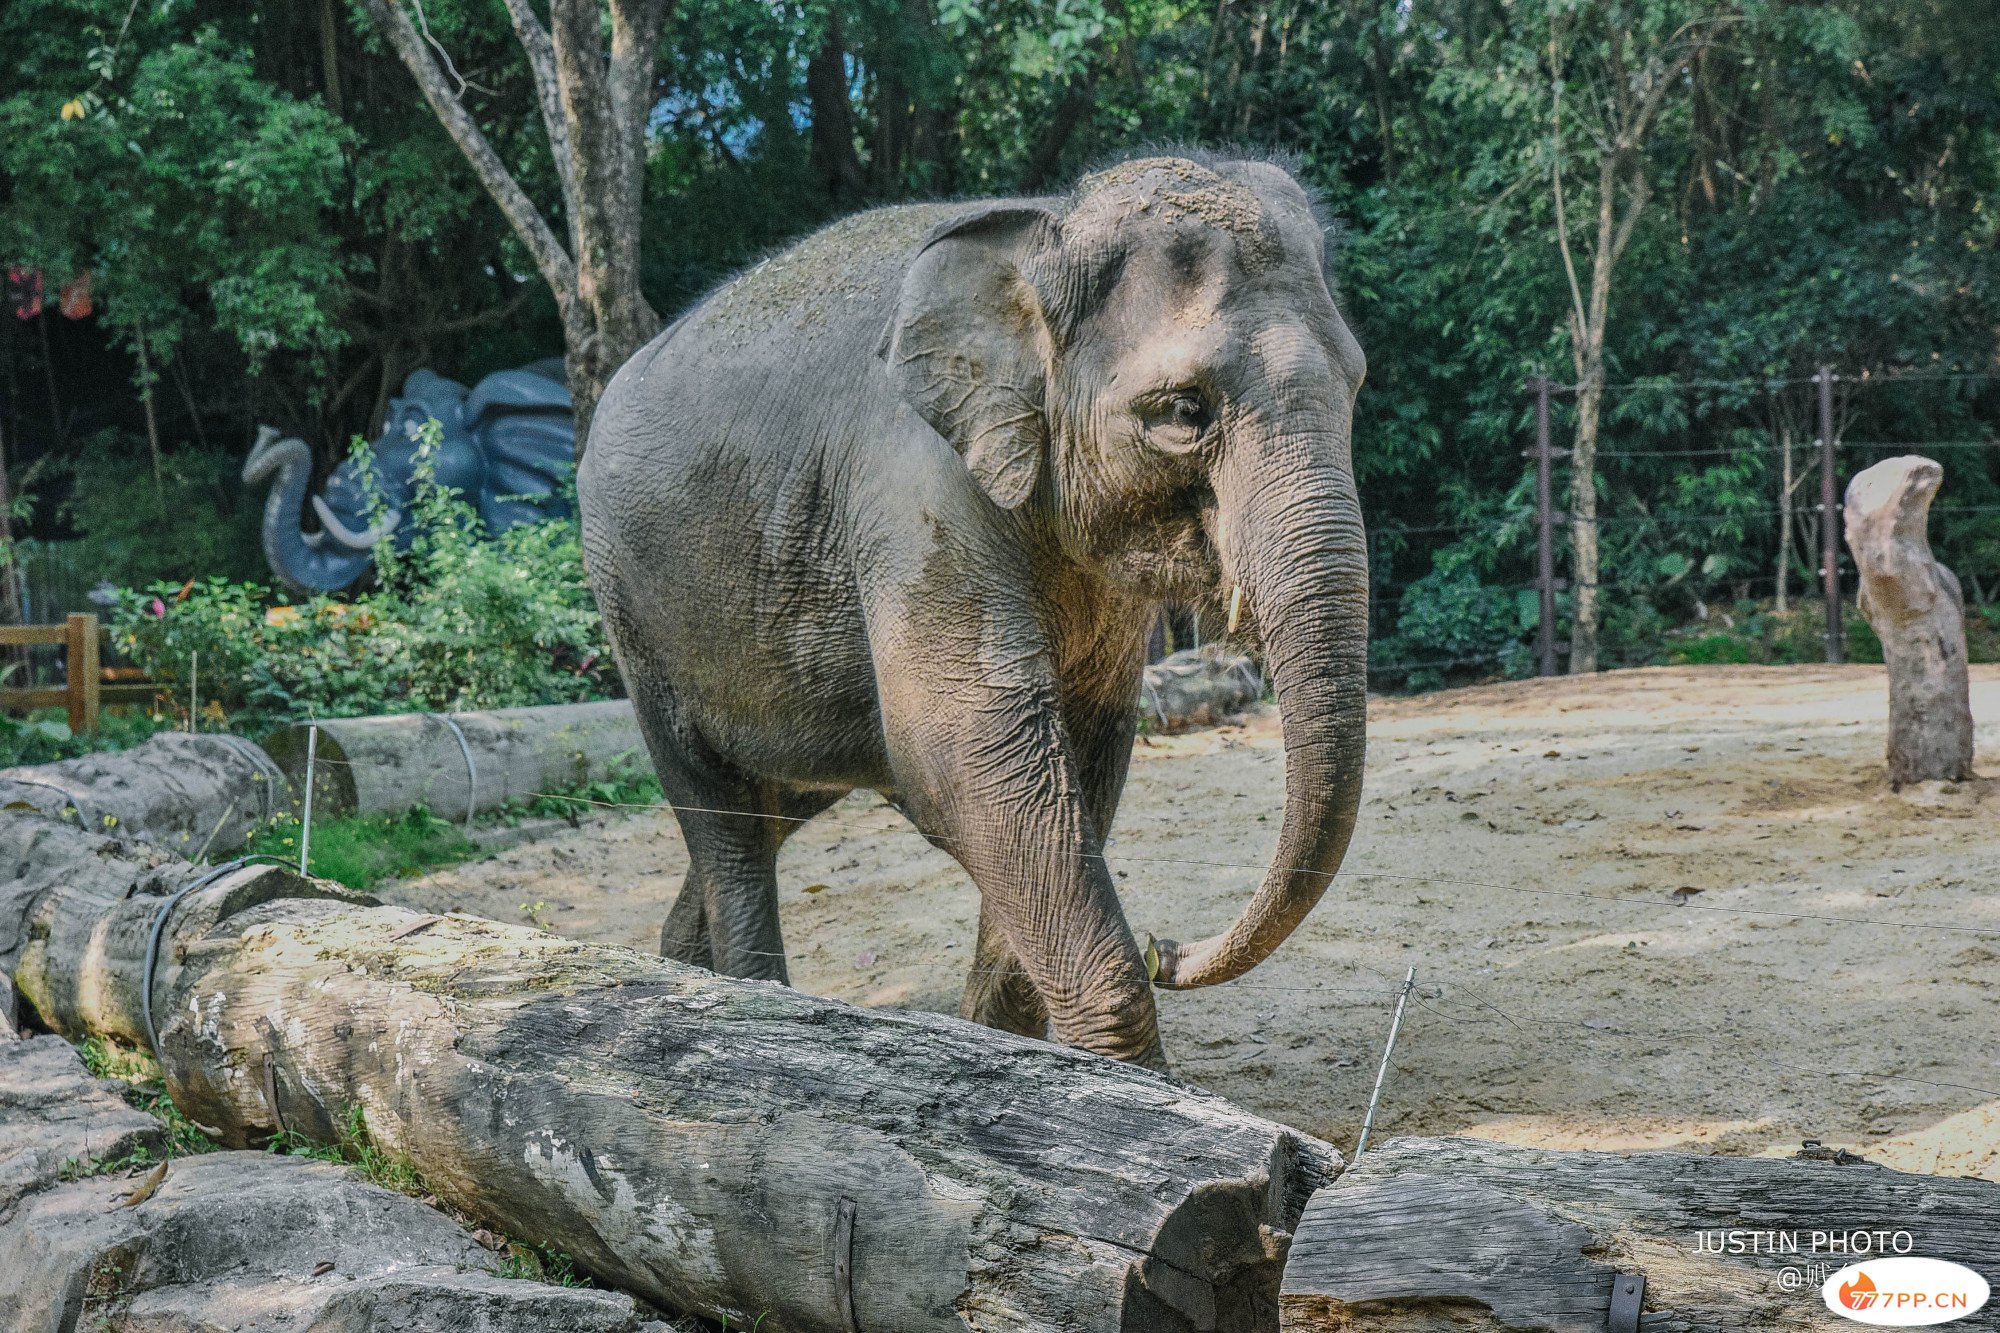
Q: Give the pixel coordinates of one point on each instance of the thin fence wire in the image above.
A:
(1436, 997)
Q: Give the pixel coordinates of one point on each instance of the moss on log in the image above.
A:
(191, 794)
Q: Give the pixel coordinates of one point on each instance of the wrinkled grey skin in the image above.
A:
(893, 510)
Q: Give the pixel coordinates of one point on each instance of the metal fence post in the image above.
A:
(1829, 516)
(1545, 555)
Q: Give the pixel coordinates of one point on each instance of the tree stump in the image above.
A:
(1199, 687)
(1466, 1236)
(1917, 610)
(718, 1146)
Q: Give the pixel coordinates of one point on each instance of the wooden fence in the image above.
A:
(86, 690)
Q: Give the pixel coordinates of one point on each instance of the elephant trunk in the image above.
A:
(301, 564)
(1291, 536)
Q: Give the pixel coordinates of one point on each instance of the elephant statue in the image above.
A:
(507, 446)
(896, 509)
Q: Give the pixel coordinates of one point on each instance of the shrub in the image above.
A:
(459, 621)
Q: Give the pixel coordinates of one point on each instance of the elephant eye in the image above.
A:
(1190, 409)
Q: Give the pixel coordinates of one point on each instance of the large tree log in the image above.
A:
(719, 1146)
(386, 765)
(1427, 1235)
(193, 794)
(240, 1241)
(1917, 610)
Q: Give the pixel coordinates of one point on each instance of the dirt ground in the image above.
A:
(1616, 893)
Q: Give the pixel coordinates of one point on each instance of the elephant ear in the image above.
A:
(968, 346)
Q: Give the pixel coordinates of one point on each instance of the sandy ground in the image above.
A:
(1616, 894)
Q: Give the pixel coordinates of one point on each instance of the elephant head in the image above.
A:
(505, 445)
(1155, 368)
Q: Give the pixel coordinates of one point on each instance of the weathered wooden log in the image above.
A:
(192, 794)
(229, 1240)
(456, 764)
(1916, 608)
(717, 1146)
(1427, 1235)
(1199, 687)
(77, 913)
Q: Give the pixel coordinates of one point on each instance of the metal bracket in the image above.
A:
(1628, 1292)
(843, 1263)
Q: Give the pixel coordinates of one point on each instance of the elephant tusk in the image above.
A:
(1235, 607)
(348, 537)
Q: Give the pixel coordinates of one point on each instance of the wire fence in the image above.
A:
(1666, 556)
(1447, 996)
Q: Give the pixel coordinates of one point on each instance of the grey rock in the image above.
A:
(238, 1242)
(1199, 687)
(52, 1112)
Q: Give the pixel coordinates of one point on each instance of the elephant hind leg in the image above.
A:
(998, 991)
(684, 937)
(729, 904)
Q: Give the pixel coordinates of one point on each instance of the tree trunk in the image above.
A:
(718, 1146)
(190, 794)
(1583, 522)
(1916, 609)
(1428, 1235)
(593, 105)
(833, 154)
(387, 765)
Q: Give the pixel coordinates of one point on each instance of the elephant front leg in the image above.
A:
(989, 774)
(998, 991)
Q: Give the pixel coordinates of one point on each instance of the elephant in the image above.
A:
(508, 444)
(895, 510)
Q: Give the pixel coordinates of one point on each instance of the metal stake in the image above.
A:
(1395, 1026)
(1545, 573)
(1829, 516)
(194, 689)
(306, 824)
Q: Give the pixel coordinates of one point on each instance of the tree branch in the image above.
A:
(551, 260)
(541, 53)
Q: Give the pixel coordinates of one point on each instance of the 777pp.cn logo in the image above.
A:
(1904, 1291)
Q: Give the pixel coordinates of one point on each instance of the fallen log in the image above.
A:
(192, 794)
(716, 1146)
(1424, 1235)
(212, 1240)
(461, 764)
(1915, 607)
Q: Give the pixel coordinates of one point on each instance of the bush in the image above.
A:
(459, 621)
(44, 737)
(1449, 621)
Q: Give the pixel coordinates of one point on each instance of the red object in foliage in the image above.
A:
(74, 299)
(24, 291)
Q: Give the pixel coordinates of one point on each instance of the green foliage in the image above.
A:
(184, 173)
(44, 737)
(196, 522)
(460, 621)
(360, 851)
(354, 1146)
(542, 1263)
